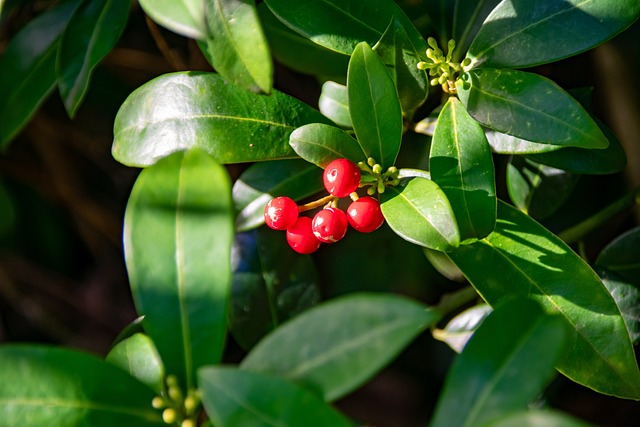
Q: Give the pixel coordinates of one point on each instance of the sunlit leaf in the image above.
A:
(334, 103)
(138, 356)
(185, 17)
(320, 144)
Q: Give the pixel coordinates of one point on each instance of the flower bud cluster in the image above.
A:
(178, 409)
(443, 70)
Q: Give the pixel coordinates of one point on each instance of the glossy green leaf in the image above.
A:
(27, 67)
(529, 261)
(461, 328)
(520, 34)
(502, 143)
(468, 16)
(334, 103)
(92, 32)
(182, 110)
(536, 189)
(461, 164)
(374, 106)
(271, 283)
(528, 106)
(319, 144)
(626, 293)
(298, 52)
(340, 25)
(47, 386)
(233, 397)
(418, 211)
(178, 233)
(184, 17)
(622, 256)
(261, 182)
(138, 356)
(338, 345)
(443, 265)
(504, 366)
(236, 45)
(536, 418)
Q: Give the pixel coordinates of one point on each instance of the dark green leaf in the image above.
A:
(529, 261)
(261, 182)
(460, 163)
(183, 110)
(320, 144)
(504, 366)
(536, 189)
(235, 398)
(528, 106)
(626, 293)
(536, 419)
(92, 32)
(130, 330)
(418, 211)
(502, 143)
(468, 16)
(28, 70)
(443, 265)
(334, 103)
(622, 256)
(46, 386)
(137, 355)
(178, 233)
(374, 106)
(236, 45)
(460, 329)
(338, 345)
(520, 34)
(185, 17)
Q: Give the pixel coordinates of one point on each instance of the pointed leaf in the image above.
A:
(468, 16)
(182, 110)
(44, 386)
(138, 356)
(92, 32)
(461, 163)
(529, 261)
(178, 233)
(504, 367)
(502, 143)
(239, 398)
(626, 293)
(520, 34)
(461, 328)
(334, 103)
(537, 418)
(320, 144)
(261, 182)
(622, 256)
(236, 45)
(528, 106)
(184, 17)
(418, 211)
(338, 345)
(374, 106)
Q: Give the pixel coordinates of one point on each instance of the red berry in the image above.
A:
(280, 213)
(301, 238)
(365, 215)
(329, 225)
(341, 177)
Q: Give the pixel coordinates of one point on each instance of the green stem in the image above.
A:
(580, 230)
(455, 300)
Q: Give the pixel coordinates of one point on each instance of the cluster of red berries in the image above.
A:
(341, 178)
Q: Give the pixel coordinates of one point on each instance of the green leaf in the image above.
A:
(334, 104)
(46, 386)
(178, 233)
(504, 366)
(261, 182)
(233, 397)
(184, 17)
(182, 110)
(340, 25)
(502, 143)
(536, 189)
(529, 261)
(374, 106)
(518, 34)
(528, 106)
(468, 16)
(626, 293)
(319, 144)
(138, 356)
(28, 71)
(536, 418)
(418, 211)
(461, 164)
(461, 328)
(622, 256)
(92, 32)
(236, 45)
(338, 345)
(271, 284)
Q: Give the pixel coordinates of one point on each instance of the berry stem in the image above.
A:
(317, 203)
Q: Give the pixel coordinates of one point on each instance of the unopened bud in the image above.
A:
(371, 161)
(188, 423)
(158, 402)
(377, 168)
(169, 416)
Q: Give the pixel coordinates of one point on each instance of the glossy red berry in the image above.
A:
(280, 213)
(365, 214)
(329, 225)
(341, 177)
(301, 238)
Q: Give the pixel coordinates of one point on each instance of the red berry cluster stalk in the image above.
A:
(341, 178)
